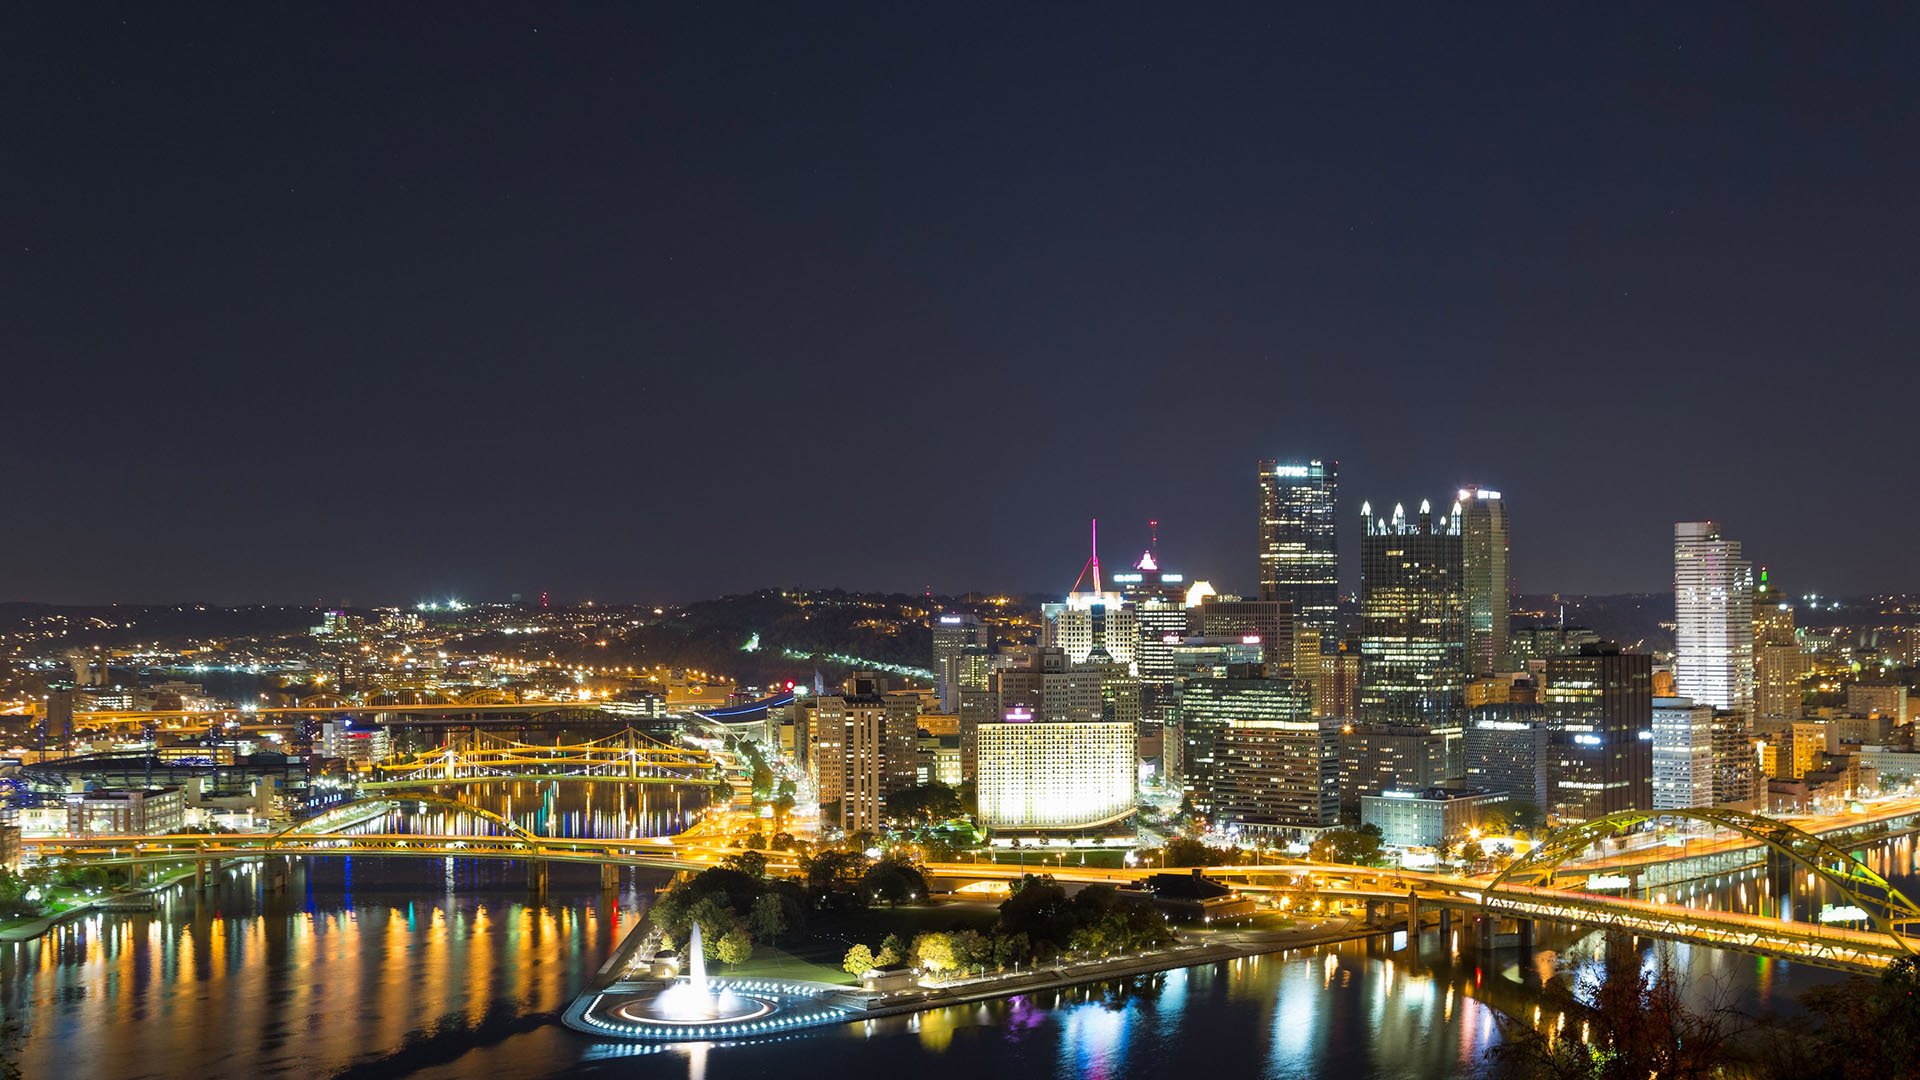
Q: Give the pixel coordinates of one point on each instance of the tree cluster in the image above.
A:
(848, 880)
(1038, 922)
(735, 906)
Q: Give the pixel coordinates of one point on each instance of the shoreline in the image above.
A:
(34, 929)
(855, 1004)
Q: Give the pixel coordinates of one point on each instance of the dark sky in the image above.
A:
(389, 301)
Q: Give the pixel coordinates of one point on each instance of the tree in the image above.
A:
(715, 921)
(750, 863)
(859, 961)
(934, 952)
(893, 950)
(1357, 847)
(894, 880)
(925, 803)
(769, 917)
(1010, 949)
(1186, 851)
(735, 947)
(1472, 853)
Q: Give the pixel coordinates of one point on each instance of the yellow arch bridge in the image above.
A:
(627, 756)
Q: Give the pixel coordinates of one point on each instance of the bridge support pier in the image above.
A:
(1446, 922)
(275, 874)
(537, 878)
(1373, 912)
(1526, 934)
(1413, 920)
(609, 877)
(203, 871)
(1485, 927)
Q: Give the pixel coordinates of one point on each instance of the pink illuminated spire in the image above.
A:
(1093, 563)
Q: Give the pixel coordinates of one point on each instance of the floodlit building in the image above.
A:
(1277, 776)
(1713, 614)
(1209, 707)
(962, 646)
(1267, 623)
(1043, 777)
(1432, 818)
(1682, 754)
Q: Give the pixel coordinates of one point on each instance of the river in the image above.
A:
(430, 969)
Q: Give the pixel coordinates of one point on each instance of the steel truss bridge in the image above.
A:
(627, 756)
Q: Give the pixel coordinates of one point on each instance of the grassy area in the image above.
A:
(816, 956)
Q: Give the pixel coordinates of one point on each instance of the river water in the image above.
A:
(442, 969)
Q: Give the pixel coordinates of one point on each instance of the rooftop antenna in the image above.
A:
(1093, 563)
(1153, 536)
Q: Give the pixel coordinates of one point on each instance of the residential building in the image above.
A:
(1209, 707)
(1279, 777)
(1879, 700)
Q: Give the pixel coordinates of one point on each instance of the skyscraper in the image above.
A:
(1600, 706)
(1412, 607)
(1683, 774)
(1713, 612)
(1299, 558)
(1488, 582)
(955, 635)
(1778, 663)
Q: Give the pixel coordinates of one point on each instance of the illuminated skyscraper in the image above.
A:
(1713, 611)
(1778, 663)
(960, 645)
(1299, 558)
(1412, 607)
(1489, 584)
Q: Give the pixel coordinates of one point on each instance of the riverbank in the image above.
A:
(30, 930)
(598, 1010)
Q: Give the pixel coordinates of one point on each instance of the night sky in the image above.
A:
(649, 302)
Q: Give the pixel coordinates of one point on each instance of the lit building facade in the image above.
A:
(1041, 777)
(1268, 623)
(149, 812)
(1682, 754)
(958, 636)
(1713, 615)
(1382, 757)
(1434, 817)
(1413, 608)
(1158, 600)
(1600, 704)
(1778, 664)
(1278, 777)
(1299, 550)
(1092, 627)
(1508, 749)
(1489, 583)
(1209, 707)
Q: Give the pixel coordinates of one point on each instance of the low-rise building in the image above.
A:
(1431, 818)
(136, 812)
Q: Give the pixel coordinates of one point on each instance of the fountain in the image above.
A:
(697, 962)
(693, 1000)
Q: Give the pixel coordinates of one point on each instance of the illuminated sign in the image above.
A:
(1250, 639)
(1845, 913)
(1183, 577)
(950, 620)
(1587, 740)
(1019, 714)
(1129, 578)
(1292, 470)
(1608, 881)
(1400, 794)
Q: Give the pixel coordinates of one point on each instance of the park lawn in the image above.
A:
(1042, 860)
(817, 955)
